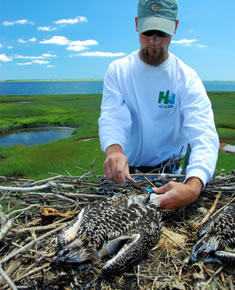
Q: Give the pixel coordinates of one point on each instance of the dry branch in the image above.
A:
(27, 189)
(7, 279)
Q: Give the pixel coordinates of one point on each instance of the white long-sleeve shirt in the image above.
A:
(151, 112)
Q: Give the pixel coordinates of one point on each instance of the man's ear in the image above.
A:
(176, 25)
(136, 24)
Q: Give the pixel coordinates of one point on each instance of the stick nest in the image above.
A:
(33, 212)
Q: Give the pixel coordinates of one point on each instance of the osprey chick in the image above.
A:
(125, 227)
(216, 239)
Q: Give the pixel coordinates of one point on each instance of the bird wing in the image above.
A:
(111, 218)
(226, 256)
(219, 219)
(68, 234)
(137, 246)
(227, 227)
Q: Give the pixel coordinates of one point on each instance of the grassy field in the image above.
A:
(81, 112)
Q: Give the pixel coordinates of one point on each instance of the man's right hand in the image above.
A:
(116, 165)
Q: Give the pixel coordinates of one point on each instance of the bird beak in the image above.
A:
(192, 260)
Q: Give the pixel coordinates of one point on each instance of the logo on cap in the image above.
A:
(155, 7)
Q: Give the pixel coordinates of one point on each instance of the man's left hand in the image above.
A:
(175, 195)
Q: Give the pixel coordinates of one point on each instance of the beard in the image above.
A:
(155, 58)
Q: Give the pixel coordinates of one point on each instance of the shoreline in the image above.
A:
(52, 80)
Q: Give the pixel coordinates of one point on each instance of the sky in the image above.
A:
(77, 39)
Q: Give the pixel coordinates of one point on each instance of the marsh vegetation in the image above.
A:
(82, 147)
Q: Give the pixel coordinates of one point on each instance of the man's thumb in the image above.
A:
(160, 190)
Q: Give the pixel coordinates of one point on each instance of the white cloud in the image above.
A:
(24, 63)
(33, 61)
(81, 44)
(71, 20)
(5, 58)
(189, 42)
(50, 66)
(40, 61)
(59, 40)
(33, 39)
(26, 57)
(201, 45)
(1, 45)
(102, 54)
(76, 48)
(43, 56)
(21, 40)
(20, 21)
(184, 41)
(77, 45)
(46, 28)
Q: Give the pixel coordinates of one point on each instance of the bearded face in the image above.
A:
(153, 57)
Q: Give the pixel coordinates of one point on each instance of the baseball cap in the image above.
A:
(157, 15)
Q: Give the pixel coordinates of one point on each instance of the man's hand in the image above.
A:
(116, 165)
(175, 195)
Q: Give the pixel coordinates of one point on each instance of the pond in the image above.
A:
(229, 148)
(34, 136)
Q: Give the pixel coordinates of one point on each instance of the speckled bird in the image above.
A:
(122, 228)
(216, 239)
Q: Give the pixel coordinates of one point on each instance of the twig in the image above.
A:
(7, 279)
(20, 211)
(29, 245)
(212, 209)
(3, 217)
(46, 180)
(182, 248)
(32, 272)
(222, 208)
(26, 189)
(59, 196)
(216, 273)
(5, 228)
(39, 228)
(161, 175)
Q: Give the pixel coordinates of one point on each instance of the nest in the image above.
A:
(35, 211)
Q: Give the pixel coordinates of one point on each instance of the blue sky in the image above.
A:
(60, 39)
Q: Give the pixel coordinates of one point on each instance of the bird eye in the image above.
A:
(203, 254)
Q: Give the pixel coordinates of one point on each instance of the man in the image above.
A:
(153, 105)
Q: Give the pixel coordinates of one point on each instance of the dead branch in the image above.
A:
(7, 279)
(26, 189)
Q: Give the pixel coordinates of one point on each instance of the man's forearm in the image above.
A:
(196, 184)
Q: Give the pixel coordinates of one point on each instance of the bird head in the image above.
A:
(204, 250)
(78, 253)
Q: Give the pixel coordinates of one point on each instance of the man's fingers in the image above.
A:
(161, 190)
(130, 178)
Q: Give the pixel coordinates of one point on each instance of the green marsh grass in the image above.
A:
(81, 112)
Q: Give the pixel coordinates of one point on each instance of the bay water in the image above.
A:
(80, 87)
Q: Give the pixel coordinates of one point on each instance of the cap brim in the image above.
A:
(156, 23)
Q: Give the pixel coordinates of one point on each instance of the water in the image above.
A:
(34, 136)
(51, 88)
(81, 87)
(230, 148)
(217, 86)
